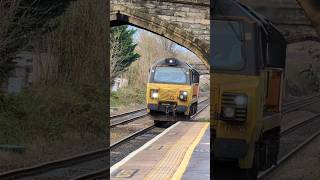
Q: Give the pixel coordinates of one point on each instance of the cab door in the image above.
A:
(195, 84)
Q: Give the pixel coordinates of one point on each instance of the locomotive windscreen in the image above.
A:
(227, 45)
(172, 75)
(258, 33)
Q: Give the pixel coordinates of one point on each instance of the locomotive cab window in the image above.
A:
(227, 51)
(168, 74)
(195, 77)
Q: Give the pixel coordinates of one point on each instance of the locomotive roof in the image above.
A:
(179, 63)
(234, 9)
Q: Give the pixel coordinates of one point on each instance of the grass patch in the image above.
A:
(203, 120)
(128, 96)
(50, 113)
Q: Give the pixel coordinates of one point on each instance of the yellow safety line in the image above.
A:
(184, 163)
(174, 156)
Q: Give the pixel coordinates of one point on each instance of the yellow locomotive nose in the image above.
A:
(162, 96)
(172, 88)
(168, 94)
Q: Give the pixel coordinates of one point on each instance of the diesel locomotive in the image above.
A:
(248, 68)
(172, 90)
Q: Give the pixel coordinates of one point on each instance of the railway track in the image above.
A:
(292, 140)
(91, 165)
(202, 105)
(93, 159)
(132, 140)
(298, 104)
(142, 112)
(127, 117)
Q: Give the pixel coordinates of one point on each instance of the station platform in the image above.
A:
(180, 152)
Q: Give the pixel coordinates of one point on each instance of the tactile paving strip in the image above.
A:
(168, 165)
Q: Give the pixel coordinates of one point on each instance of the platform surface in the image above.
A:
(199, 165)
(180, 152)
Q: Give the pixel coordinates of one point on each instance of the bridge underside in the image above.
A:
(288, 17)
(122, 15)
(182, 21)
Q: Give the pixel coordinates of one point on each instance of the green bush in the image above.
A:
(127, 96)
(52, 112)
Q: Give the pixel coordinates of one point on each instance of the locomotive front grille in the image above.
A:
(167, 95)
(228, 100)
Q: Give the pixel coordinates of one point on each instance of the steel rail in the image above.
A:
(130, 119)
(300, 104)
(299, 100)
(267, 173)
(151, 127)
(99, 174)
(296, 102)
(127, 113)
(52, 165)
(298, 125)
(141, 109)
(131, 136)
(77, 159)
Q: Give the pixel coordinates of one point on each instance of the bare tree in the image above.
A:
(73, 52)
(152, 48)
(168, 47)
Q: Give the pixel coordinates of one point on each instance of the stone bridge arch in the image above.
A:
(124, 15)
(289, 17)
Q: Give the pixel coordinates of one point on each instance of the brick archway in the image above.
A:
(122, 15)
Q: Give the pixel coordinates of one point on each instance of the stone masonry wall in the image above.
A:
(287, 15)
(193, 15)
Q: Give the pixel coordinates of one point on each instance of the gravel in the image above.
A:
(305, 165)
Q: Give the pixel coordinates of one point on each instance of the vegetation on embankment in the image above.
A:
(128, 96)
(21, 21)
(63, 112)
(303, 68)
(50, 113)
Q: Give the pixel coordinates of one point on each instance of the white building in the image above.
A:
(119, 83)
(21, 75)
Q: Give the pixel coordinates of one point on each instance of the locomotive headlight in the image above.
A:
(241, 100)
(234, 106)
(183, 95)
(228, 112)
(154, 93)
